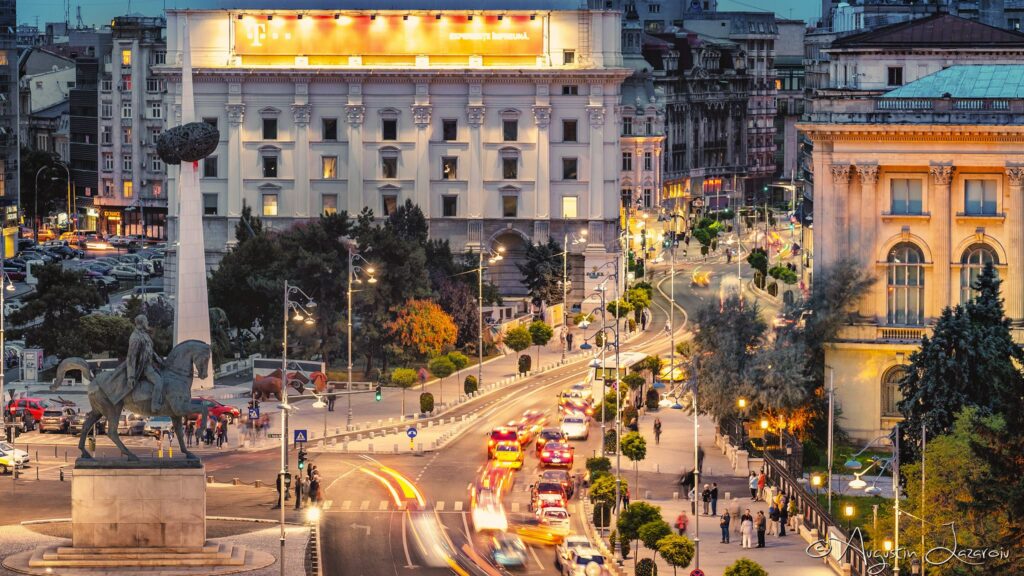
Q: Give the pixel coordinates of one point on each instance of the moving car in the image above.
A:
(549, 435)
(571, 405)
(508, 550)
(158, 425)
(576, 426)
(509, 454)
(584, 390)
(562, 477)
(20, 457)
(57, 419)
(216, 409)
(570, 543)
(545, 494)
(500, 434)
(556, 454)
(578, 561)
(7, 462)
(488, 513)
(554, 517)
(131, 424)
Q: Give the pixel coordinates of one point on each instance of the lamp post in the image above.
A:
(601, 289)
(848, 512)
(67, 172)
(565, 281)
(301, 314)
(831, 423)
(352, 271)
(493, 256)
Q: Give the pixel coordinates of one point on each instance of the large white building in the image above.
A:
(503, 126)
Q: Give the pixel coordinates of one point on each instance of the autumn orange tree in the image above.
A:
(422, 327)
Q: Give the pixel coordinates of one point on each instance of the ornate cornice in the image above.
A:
(402, 75)
(823, 132)
(942, 175)
(354, 114)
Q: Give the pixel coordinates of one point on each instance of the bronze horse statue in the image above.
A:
(186, 360)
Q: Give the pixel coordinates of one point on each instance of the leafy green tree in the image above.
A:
(598, 465)
(745, 567)
(619, 308)
(460, 302)
(470, 385)
(706, 232)
(518, 339)
(639, 299)
(61, 298)
(758, 260)
(652, 532)
(540, 335)
(678, 551)
(542, 272)
(726, 343)
(633, 517)
(783, 274)
(646, 567)
(634, 447)
(459, 360)
(404, 378)
(52, 184)
(634, 381)
(441, 367)
(102, 333)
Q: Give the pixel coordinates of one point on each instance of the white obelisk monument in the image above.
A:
(192, 308)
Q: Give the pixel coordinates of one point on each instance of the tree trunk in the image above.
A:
(403, 405)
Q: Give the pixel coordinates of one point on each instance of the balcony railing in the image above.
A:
(901, 334)
(903, 104)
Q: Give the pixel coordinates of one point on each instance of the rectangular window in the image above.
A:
(329, 204)
(126, 135)
(156, 110)
(159, 57)
(270, 128)
(568, 57)
(895, 75)
(648, 161)
(569, 131)
(449, 168)
(108, 188)
(389, 129)
(105, 136)
(126, 57)
(570, 90)
(449, 130)
(649, 126)
(211, 120)
(509, 130)
(270, 166)
(329, 167)
(510, 168)
(270, 204)
(152, 86)
(126, 109)
(126, 162)
(654, 8)
(156, 164)
(389, 167)
(627, 161)
(980, 197)
(390, 203)
(128, 188)
(627, 126)
(108, 161)
(330, 128)
(210, 167)
(106, 85)
(106, 110)
(209, 204)
(449, 206)
(569, 206)
(509, 206)
(158, 189)
(906, 196)
(126, 82)
(569, 168)
(647, 197)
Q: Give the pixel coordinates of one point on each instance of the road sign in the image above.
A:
(300, 436)
(696, 572)
(272, 435)
(254, 413)
(411, 432)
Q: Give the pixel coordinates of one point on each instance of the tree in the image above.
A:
(706, 232)
(726, 342)
(470, 385)
(639, 299)
(441, 367)
(758, 260)
(633, 517)
(634, 447)
(52, 184)
(103, 333)
(646, 567)
(61, 298)
(783, 273)
(459, 301)
(426, 402)
(598, 465)
(459, 360)
(422, 326)
(540, 335)
(404, 378)
(619, 308)
(542, 272)
(518, 339)
(652, 532)
(633, 381)
(745, 567)
(678, 551)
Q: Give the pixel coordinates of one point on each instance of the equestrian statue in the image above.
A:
(144, 383)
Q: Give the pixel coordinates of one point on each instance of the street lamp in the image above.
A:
(581, 239)
(602, 289)
(848, 512)
(35, 203)
(353, 270)
(302, 313)
(492, 257)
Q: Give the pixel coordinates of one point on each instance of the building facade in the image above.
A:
(9, 111)
(923, 185)
(789, 84)
(643, 125)
(132, 195)
(503, 127)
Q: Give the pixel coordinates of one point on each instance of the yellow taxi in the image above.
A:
(509, 454)
(7, 462)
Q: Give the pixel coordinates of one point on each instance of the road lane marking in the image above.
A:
(346, 505)
(465, 525)
(405, 540)
(535, 558)
(365, 505)
(440, 506)
(458, 506)
(383, 505)
(328, 504)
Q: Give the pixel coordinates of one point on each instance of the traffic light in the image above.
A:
(302, 459)
(378, 393)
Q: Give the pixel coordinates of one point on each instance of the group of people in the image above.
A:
(215, 431)
(308, 487)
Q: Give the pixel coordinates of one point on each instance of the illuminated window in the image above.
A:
(569, 206)
(108, 161)
(270, 128)
(126, 82)
(905, 285)
(269, 166)
(126, 162)
(330, 127)
(210, 167)
(569, 131)
(389, 163)
(449, 130)
(329, 167)
(449, 206)
(449, 168)
(510, 130)
(209, 204)
(329, 204)
(568, 57)
(270, 204)
(126, 57)
(972, 263)
(627, 161)
(126, 135)
(891, 395)
(569, 168)
(509, 206)
(128, 188)
(389, 203)
(158, 189)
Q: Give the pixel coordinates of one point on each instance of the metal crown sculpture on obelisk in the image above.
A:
(191, 310)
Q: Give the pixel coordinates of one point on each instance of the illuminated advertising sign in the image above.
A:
(388, 35)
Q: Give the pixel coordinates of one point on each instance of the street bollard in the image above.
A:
(65, 456)
(61, 473)
(394, 449)
(54, 451)
(37, 470)
(257, 484)
(369, 448)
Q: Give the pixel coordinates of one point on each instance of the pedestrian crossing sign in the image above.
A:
(300, 436)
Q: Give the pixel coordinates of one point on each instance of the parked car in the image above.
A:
(21, 457)
(15, 273)
(216, 409)
(127, 273)
(79, 421)
(158, 425)
(65, 252)
(57, 419)
(7, 462)
(45, 234)
(34, 406)
(131, 424)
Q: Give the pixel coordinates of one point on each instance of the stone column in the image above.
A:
(542, 117)
(837, 207)
(942, 177)
(421, 118)
(1015, 254)
(354, 114)
(304, 203)
(868, 215)
(595, 197)
(236, 115)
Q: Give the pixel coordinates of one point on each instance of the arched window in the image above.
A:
(905, 285)
(971, 264)
(891, 394)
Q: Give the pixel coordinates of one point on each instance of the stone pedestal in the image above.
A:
(128, 505)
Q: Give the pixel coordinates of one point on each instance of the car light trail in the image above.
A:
(384, 481)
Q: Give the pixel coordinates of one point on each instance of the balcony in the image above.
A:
(901, 333)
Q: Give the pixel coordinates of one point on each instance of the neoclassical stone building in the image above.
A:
(922, 186)
(503, 126)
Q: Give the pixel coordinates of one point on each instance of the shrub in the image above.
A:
(783, 274)
(602, 515)
(426, 402)
(758, 260)
(759, 280)
(610, 441)
(646, 567)
(646, 287)
(651, 532)
(633, 381)
(745, 567)
(651, 402)
(613, 539)
(518, 338)
(524, 363)
(599, 339)
(597, 464)
(629, 415)
(470, 385)
(580, 317)
(632, 325)
(624, 547)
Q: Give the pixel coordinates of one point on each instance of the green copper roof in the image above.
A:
(984, 81)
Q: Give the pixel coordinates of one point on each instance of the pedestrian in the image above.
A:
(227, 425)
(682, 521)
(724, 525)
(752, 482)
(568, 341)
(728, 256)
(783, 513)
(773, 518)
(311, 471)
(277, 501)
(331, 397)
(198, 430)
(314, 489)
(190, 432)
(209, 432)
(761, 524)
(625, 498)
(791, 509)
(761, 479)
(714, 498)
(298, 491)
(657, 431)
(643, 321)
(705, 497)
(746, 529)
(218, 426)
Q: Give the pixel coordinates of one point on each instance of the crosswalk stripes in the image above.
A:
(383, 505)
(458, 506)
(346, 505)
(365, 505)
(439, 506)
(327, 504)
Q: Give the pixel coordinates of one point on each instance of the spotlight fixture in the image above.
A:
(300, 16)
(373, 16)
(501, 17)
(337, 16)
(533, 17)
(437, 16)
(470, 18)
(270, 17)
(405, 17)
(239, 17)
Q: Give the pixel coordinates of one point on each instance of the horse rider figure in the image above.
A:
(142, 363)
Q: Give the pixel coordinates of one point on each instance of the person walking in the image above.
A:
(724, 525)
(761, 524)
(625, 498)
(682, 521)
(657, 431)
(705, 498)
(190, 432)
(568, 341)
(761, 480)
(298, 491)
(331, 397)
(783, 513)
(227, 426)
(773, 518)
(752, 482)
(314, 489)
(714, 498)
(746, 529)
